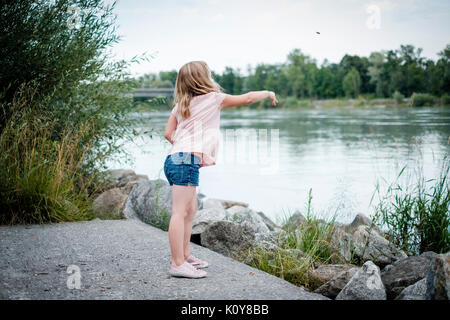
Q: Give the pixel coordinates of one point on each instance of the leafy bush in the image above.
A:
(445, 100)
(398, 97)
(422, 99)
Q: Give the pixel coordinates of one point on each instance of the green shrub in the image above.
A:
(422, 100)
(398, 97)
(445, 100)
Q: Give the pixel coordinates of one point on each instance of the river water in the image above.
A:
(340, 154)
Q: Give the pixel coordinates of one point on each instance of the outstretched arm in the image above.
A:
(248, 98)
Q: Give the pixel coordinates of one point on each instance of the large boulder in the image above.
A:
(228, 238)
(416, 291)
(110, 204)
(124, 178)
(438, 278)
(341, 244)
(212, 203)
(366, 284)
(325, 273)
(268, 240)
(369, 245)
(406, 272)
(362, 220)
(269, 223)
(240, 214)
(296, 220)
(206, 216)
(150, 201)
(333, 286)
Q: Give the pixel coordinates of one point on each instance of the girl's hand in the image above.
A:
(273, 98)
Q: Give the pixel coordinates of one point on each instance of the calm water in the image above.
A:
(339, 153)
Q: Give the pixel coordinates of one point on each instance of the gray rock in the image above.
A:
(332, 287)
(201, 196)
(110, 204)
(416, 291)
(438, 278)
(296, 220)
(269, 223)
(116, 175)
(207, 216)
(150, 201)
(267, 240)
(240, 214)
(362, 220)
(124, 178)
(212, 203)
(373, 247)
(325, 273)
(366, 284)
(405, 272)
(341, 244)
(228, 238)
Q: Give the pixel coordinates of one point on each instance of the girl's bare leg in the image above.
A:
(192, 209)
(181, 202)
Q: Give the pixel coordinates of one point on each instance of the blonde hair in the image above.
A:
(193, 79)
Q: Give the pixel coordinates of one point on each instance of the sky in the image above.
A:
(243, 33)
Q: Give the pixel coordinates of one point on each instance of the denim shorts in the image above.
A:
(182, 169)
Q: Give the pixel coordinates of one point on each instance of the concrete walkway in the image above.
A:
(120, 259)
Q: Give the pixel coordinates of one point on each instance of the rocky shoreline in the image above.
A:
(231, 228)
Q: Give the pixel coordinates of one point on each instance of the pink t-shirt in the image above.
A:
(201, 131)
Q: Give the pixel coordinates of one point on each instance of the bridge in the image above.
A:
(153, 92)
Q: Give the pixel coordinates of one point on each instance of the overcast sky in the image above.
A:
(239, 33)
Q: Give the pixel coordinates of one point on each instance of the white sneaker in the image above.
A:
(199, 264)
(186, 270)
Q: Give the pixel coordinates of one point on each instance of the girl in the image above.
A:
(193, 131)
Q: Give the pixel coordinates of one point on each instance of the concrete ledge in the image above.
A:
(121, 259)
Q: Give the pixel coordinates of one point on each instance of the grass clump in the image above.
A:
(416, 216)
(302, 244)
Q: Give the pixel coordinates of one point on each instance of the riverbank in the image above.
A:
(320, 256)
(293, 103)
(127, 258)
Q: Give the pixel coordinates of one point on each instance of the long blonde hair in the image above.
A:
(193, 79)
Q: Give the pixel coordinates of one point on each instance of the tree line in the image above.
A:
(381, 75)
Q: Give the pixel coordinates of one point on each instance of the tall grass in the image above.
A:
(416, 216)
(40, 177)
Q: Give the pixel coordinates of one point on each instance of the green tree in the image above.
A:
(300, 71)
(443, 70)
(352, 83)
(377, 73)
(170, 76)
(361, 64)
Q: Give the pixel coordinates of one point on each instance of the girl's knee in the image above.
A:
(192, 209)
(179, 212)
